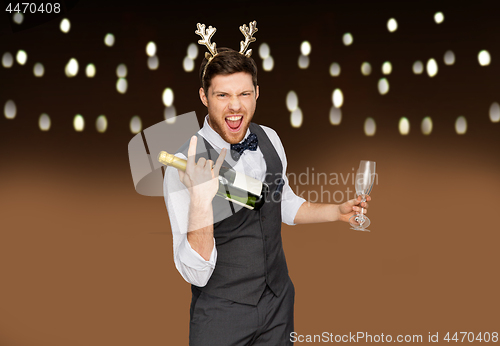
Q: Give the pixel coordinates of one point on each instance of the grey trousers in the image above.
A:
(216, 321)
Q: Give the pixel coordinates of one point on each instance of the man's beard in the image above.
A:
(219, 125)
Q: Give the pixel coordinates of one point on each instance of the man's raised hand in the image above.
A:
(201, 178)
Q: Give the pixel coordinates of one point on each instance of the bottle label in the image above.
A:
(247, 183)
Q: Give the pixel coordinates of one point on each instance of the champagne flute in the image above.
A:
(365, 177)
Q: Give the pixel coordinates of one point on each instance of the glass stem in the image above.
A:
(361, 214)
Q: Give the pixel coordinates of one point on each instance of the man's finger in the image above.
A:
(358, 210)
(349, 205)
(209, 164)
(192, 151)
(202, 162)
(220, 160)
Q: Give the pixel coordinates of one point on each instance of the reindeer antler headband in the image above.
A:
(207, 34)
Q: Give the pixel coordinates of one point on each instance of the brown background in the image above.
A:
(85, 260)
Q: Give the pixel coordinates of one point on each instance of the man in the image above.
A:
(241, 291)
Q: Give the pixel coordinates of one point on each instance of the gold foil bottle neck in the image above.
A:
(172, 160)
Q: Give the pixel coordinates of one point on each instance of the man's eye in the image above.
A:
(221, 95)
(246, 94)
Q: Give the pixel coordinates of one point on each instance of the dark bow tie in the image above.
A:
(250, 143)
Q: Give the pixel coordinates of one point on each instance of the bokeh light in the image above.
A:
(418, 67)
(392, 25)
(268, 63)
(387, 68)
(10, 109)
(65, 25)
(153, 62)
(7, 60)
(404, 126)
(18, 18)
(438, 17)
(151, 49)
(370, 127)
(305, 48)
(426, 126)
(296, 118)
(21, 57)
(264, 51)
(135, 124)
(44, 122)
(347, 39)
(335, 115)
(366, 68)
(71, 68)
(109, 40)
(432, 67)
(168, 97)
(122, 85)
(292, 101)
(484, 58)
(449, 57)
(334, 69)
(170, 114)
(192, 51)
(337, 98)
(461, 125)
(188, 64)
(121, 71)
(78, 123)
(383, 86)
(495, 112)
(38, 70)
(90, 70)
(101, 124)
(303, 61)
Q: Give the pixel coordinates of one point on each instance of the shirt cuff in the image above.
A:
(193, 259)
(292, 211)
(290, 205)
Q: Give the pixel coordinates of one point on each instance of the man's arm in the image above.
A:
(202, 181)
(200, 227)
(307, 212)
(192, 267)
(318, 212)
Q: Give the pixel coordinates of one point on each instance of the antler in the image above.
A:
(248, 33)
(206, 35)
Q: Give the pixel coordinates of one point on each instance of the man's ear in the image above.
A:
(256, 92)
(203, 97)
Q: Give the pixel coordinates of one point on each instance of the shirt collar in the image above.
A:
(214, 138)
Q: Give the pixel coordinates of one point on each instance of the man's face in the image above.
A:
(231, 101)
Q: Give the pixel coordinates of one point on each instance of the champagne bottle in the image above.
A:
(233, 186)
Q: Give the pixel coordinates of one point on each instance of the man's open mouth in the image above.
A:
(234, 122)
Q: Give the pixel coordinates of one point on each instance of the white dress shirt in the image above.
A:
(194, 268)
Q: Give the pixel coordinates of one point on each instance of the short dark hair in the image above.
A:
(227, 61)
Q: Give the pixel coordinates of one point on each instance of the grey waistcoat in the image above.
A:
(249, 248)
